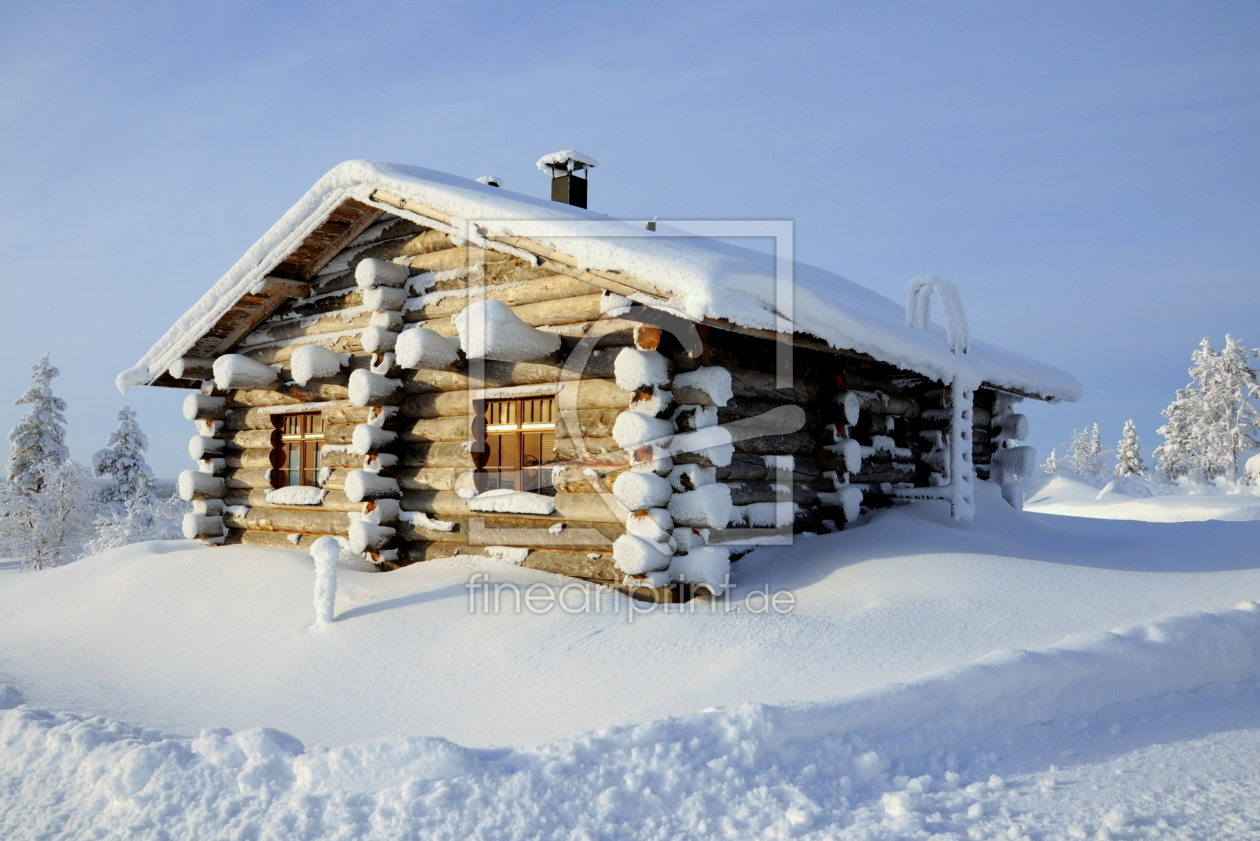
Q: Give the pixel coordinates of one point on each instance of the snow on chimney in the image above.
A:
(567, 187)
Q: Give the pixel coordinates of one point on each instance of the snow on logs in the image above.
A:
(488, 329)
(707, 507)
(234, 371)
(193, 368)
(420, 347)
(194, 484)
(201, 527)
(703, 387)
(371, 389)
(205, 407)
(370, 273)
(368, 486)
(638, 491)
(310, 362)
(203, 447)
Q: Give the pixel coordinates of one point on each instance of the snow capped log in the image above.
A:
(368, 389)
(703, 386)
(653, 525)
(488, 329)
(366, 536)
(635, 369)
(208, 507)
(378, 339)
(420, 347)
(632, 430)
(707, 507)
(651, 400)
(852, 403)
(193, 368)
(204, 407)
(1016, 462)
(364, 485)
(193, 484)
(704, 567)
(367, 438)
(296, 495)
(688, 477)
(642, 490)
(712, 446)
(690, 418)
(204, 447)
(384, 299)
(651, 458)
(234, 371)
(1013, 428)
(372, 272)
(1252, 469)
(851, 452)
(201, 527)
(635, 556)
(309, 362)
(505, 501)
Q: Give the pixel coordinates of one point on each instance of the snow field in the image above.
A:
(905, 761)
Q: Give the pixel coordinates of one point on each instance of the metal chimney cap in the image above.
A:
(567, 161)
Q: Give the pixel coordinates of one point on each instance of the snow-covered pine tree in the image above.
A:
(1052, 463)
(1129, 453)
(38, 441)
(1178, 456)
(46, 527)
(1212, 421)
(123, 460)
(1085, 453)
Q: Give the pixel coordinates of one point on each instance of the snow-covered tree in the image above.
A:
(1085, 453)
(1212, 421)
(1052, 463)
(123, 460)
(46, 527)
(1129, 453)
(141, 518)
(38, 442)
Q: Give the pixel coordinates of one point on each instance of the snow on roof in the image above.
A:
(704, 278)
(567, 160)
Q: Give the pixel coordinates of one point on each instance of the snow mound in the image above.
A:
(489, 329)
(232, 371)
(311, 361)
(420, 347)
(297, 495)
(634, 369)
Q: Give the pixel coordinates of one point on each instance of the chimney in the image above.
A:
(567, 186)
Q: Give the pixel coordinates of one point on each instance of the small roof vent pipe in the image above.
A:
(567, 186)
(490, 180)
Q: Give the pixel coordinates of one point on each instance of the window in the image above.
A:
(517, 443)
(296, 455)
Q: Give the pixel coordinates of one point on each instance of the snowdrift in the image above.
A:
(755, 770)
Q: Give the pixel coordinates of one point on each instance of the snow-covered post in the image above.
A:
(1012, 463)
(325, 552)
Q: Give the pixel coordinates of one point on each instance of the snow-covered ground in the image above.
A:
(1066, 494)
(1010, 678)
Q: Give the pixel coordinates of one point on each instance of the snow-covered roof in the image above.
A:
(702, 278)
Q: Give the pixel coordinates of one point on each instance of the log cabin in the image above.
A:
(424, 366)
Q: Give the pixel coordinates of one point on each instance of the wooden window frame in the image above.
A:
(309, 436)
(532, 478)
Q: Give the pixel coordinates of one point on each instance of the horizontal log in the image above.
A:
(287, 395)
(573, 564)
(748, 468)
(350, 344)
(792, 444)
(334, 500)
(253, 459)
(204, 407)
(425, 243)
(590, 508)
(583, 308)
(333, 322)
(271, 539)
(289, 520)
(495, 374)
(580, 450)
(586, 394)
(750, 493)
(458, 257)
(193, 368)
(241, 417)
(247, 439)
(246, 479)
(505, 530)
(550, 288)
(284, 287)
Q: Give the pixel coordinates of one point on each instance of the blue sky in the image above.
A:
(1086, 173)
